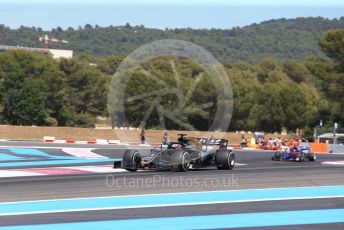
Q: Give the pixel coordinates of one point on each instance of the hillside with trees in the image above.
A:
(281, 39)
(269, 95)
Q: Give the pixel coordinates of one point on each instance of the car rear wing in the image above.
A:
(212, 141)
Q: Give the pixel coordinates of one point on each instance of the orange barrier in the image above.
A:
(319, 148)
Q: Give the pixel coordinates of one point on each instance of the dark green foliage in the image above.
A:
(23, 102)
(36, 90)
(266, 98)
(331, 73)
(269, 95)
(332, 43)
(172, 101)
(281, 39)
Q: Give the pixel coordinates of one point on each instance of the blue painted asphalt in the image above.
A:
(285, 218)
(33, 153)
(57, 162)
(175, 199)
(6, 157)
(35, 157)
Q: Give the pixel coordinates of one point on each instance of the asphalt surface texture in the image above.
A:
(255, 170)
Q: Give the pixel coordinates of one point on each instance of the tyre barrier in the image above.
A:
(97, 141)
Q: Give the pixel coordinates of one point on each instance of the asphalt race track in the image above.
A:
(41, 186)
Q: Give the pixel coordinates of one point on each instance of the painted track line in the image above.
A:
(165, 200)
(55, 162)
(17, 173)
(52, 171)
(260, 219)
(83, 153)
(333, 163)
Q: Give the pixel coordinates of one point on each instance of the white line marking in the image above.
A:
(97, 169)
(83, 153)
(333, 163)
(10, 173)
(88, 169)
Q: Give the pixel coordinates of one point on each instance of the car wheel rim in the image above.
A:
(135, 160)
(185, 161)
(231, 161)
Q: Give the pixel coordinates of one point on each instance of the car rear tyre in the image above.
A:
(225, 160)
(311, 157)
(131, 160)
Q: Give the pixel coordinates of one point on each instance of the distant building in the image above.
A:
(55, 53)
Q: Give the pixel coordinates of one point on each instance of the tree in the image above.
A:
(24, 102)
(37, 90)
(282, 39)
(297, 72)
(110, 64)
(85, 88)
(332, 43)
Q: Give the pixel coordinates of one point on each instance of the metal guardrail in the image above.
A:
(3, 47)
(336, 148)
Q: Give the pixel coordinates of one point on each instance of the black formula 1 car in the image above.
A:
(181, 156)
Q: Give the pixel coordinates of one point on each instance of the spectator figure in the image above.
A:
(295, 142)
(142, 137)
(271, 143)
(165, 138)
(279, 143)
(243, 141)
(259, 142)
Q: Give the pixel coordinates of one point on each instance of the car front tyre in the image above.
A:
(131, 160)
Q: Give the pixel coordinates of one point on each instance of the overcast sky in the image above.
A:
(160, 14)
